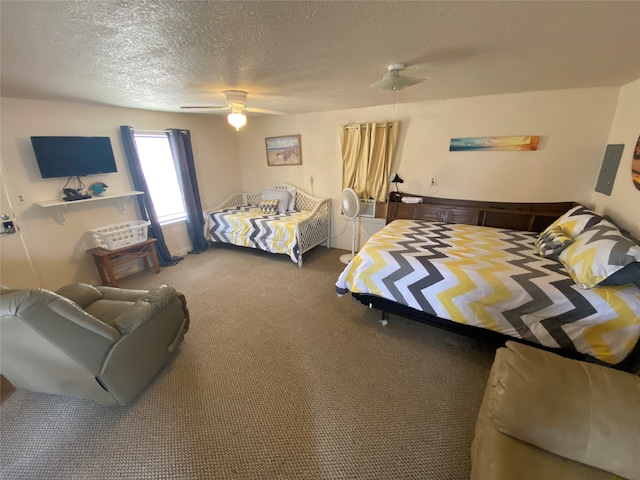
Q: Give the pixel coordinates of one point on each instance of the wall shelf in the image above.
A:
(61, 206)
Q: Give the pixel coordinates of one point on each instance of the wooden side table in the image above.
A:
(107, 259)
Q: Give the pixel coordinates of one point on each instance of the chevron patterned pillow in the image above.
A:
(597, 253)
(551, 243)
(270, 207)
(574, 221)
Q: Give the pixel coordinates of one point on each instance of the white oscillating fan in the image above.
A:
(351, 210)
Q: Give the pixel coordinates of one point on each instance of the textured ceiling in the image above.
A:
(309, 56)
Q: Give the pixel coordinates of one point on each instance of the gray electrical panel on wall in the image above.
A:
(610, 162)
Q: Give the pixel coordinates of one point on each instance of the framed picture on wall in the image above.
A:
(283, 150)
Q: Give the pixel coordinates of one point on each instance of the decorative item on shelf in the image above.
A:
(98, 188)
(395, 178)
(71, 194)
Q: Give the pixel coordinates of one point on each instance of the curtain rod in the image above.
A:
(381, 125)
(156, 132)
(151, 132)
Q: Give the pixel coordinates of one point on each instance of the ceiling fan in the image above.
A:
(392, 80)
(236, 102)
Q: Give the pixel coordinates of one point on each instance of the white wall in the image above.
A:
(573, 124)
(59, 251)
(624, 202)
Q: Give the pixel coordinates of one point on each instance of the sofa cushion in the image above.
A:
(581, 411)
(82, 294)
(107, 310)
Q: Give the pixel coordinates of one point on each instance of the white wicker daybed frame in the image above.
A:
(311, 231)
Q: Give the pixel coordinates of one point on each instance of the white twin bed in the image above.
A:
(296, 224)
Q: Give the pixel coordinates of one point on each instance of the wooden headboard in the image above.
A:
(532, 217)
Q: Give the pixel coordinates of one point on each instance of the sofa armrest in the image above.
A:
(585, 412)
(144, 308)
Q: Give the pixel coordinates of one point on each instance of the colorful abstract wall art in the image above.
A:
(635, 165)
(494, 143)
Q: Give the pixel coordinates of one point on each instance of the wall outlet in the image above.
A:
(311, 179)
(433, 181)
(20, 198)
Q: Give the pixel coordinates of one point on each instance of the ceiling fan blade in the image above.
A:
(263, 110)
(210, 107)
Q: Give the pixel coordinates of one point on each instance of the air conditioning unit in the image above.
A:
(368, 208)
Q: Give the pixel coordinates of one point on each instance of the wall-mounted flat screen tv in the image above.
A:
(73, 156)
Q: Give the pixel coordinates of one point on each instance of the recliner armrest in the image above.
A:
(144, 308)
(122, 294)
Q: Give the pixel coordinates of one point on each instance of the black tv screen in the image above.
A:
(73, 156)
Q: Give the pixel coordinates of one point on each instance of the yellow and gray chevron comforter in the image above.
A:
(492, 278)
(247, 226)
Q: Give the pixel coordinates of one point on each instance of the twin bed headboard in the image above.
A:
(532, 217)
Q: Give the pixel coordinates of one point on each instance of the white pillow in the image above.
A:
(292, 202)
(283, 197)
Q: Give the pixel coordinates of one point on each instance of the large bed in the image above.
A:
(295, 224)
(486, 275)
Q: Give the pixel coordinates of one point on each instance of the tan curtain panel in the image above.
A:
(367, 154)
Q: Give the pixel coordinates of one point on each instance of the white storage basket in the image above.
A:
(119, 235)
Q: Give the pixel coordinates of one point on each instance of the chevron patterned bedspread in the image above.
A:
(246, 226)
(492, 278)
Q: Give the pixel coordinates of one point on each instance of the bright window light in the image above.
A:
(160, 173)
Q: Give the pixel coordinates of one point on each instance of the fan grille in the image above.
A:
(350, 203)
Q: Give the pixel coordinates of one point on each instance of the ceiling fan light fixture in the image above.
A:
(392, 80)
(237, 120)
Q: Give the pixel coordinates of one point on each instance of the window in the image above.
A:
(367, 155)
(160, 173)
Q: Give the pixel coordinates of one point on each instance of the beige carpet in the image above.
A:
(278, 378)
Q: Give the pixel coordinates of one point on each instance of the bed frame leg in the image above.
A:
(384, 319)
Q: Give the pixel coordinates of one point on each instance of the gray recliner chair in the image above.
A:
(99, 343)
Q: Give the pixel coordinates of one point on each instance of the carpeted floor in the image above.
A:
(278, 378)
